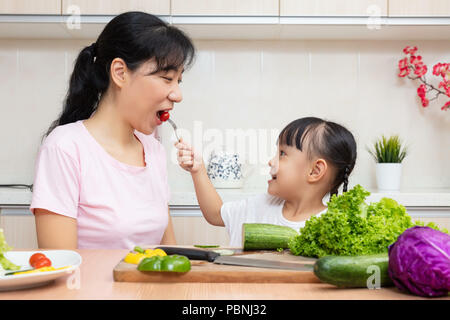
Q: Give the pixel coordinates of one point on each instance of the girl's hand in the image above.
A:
(187, 158)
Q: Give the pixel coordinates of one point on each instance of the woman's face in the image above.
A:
(145, 95)
(289, 169)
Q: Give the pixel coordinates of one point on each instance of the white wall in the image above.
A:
(249, 85)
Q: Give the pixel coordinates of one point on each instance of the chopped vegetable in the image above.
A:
(224, 252)
(35, 257)
(257, 236)
(206, 246)
(351, 227)
(136, 257)
(138, 249)
(43, 262)
(172, 263)
(43, 269)
(5, 263)
(419, 262)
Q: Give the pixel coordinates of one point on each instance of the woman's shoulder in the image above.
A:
(64, 137)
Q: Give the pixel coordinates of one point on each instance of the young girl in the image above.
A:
(101, 178)
(314, 158)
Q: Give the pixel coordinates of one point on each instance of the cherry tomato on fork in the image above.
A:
(164, 116)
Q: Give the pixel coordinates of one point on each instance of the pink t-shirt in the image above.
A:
(116, 205)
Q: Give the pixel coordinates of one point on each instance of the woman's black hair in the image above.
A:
(135, 37)
(325, 139)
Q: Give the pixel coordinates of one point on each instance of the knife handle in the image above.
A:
(194, 254)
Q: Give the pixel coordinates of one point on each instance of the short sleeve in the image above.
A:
(234, 215)
(57, 182)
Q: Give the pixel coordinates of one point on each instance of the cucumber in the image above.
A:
(261, 236)
(353, 271)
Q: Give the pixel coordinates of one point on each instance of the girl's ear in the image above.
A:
(318, 170)
(118, 72)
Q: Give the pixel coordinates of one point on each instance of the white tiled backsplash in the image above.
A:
(248, 85)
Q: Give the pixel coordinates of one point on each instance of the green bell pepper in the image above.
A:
(172, 263)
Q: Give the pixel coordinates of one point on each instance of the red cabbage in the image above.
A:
(419, 262)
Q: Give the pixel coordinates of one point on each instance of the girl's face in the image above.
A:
(145, 95)
(290, 169)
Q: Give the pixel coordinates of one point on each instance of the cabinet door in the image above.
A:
(195, 230)
(225, 7)
(419, 8)
(30, 7)
(333, 7)
(19, 231)
(114, 7)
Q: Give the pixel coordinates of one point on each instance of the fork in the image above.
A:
(174, 126)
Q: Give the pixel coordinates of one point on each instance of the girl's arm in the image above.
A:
(55, 231)
(169, 234)
(207, 196)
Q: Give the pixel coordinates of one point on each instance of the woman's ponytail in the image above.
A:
(84, 90)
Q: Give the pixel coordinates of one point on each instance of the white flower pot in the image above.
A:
(389, 176)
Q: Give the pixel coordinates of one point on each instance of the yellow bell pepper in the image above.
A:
(156, 252)
(43, 269)
(136, 257)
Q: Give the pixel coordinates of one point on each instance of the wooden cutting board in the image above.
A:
(203, 271)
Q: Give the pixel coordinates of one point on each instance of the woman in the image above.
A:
(101, 179)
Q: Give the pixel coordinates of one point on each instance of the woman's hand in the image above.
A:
(188, 158)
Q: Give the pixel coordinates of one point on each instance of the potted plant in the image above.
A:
(389, 154)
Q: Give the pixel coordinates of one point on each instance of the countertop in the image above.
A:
(96, 282)
(407, 197)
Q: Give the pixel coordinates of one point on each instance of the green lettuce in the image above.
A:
(4, 247)
(352, 227)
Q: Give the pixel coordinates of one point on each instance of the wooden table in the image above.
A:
(96, 282)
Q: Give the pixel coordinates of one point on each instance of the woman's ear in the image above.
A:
(118, 72)
(318, 170)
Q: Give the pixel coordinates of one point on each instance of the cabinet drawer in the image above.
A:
(114, 7)
(195, 230)
(332, 7)
(30, 7)
(419, 8)
(225, 7)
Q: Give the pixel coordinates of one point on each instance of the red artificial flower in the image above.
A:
(438, 69)
(402, 64)
(446, 86)
(425, 102)
(415, 59)
(410, 50)
(422, 91)
(446, 106)
(421, 69)
(403, 72)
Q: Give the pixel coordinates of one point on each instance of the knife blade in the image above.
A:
(199, 254)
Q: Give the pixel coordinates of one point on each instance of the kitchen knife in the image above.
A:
(198, 254)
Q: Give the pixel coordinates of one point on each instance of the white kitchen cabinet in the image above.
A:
(30, 7)
(225, 7)
(333, 8)
(419, 8)
(19, 230)
(189, 225)
(190, 228)
(114, 7)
